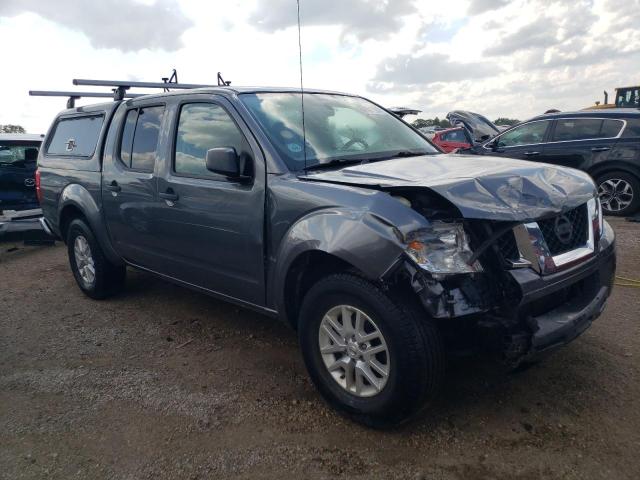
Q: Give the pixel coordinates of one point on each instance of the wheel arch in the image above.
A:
(614, 166)
(330, 241)
(77, 202)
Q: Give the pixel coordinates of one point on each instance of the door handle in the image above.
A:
(600, 149)
(531, 154)
(114, 187)
(169, 195)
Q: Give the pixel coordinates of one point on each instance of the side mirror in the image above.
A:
(225, 161)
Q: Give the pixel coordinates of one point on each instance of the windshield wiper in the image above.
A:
(333, 163)
(365, 158)
(401, 154)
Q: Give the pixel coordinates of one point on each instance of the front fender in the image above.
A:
(358, 237)
(79, 197)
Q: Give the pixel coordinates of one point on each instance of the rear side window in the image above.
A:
(582, 129)
(203, 126)
(140, 134)
(632, 130)
(76, 136)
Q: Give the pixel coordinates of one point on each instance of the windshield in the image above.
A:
(337, 128)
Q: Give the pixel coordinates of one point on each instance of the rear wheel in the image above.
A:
(372, 358)
(619, 193)
(95, 275)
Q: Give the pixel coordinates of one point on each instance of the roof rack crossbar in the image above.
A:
(73, 96)
(131, 84)
(52, 93)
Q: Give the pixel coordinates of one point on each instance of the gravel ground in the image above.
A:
(162, 382)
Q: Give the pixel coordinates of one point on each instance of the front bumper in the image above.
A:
(577, 297)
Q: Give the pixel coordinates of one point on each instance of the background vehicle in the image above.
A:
(625, 97)
(381, 251)
(451, 139)
(479, 127)
(605, 144)
(18, 155)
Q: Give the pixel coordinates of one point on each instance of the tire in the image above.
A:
(619, 193)
(413, 357)
(107, 278)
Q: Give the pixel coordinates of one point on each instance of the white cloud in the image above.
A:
(568, 54)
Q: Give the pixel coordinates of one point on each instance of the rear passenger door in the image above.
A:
(211, 227)
(129, 181)
(582, 142)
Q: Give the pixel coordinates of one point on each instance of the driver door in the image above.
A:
(211, 228)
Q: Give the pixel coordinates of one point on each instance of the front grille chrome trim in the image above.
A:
(533, 246)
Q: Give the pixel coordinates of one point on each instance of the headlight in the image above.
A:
(443, 249)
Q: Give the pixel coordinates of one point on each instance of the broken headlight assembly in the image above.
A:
(443, 248)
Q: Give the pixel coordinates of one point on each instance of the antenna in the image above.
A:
(304, 131)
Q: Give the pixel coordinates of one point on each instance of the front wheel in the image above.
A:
(619, 193)
(96, 276)
(370, 357)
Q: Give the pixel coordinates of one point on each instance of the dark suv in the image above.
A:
(18, 156)
(604, 143)
(381, 251)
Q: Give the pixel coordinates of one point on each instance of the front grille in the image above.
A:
(508, 246)
(566, 232)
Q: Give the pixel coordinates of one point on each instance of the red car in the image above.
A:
(451, 139)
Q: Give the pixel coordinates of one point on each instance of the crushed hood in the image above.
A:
(481, 187)
(479, 127)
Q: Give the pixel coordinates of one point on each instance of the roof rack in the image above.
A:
(73, 96)
(120, 87)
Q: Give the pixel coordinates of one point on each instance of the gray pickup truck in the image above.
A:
(383, 253)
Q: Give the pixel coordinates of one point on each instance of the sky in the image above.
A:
(500, 58)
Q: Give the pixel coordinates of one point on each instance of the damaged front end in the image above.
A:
(510, 251)
(518, 287)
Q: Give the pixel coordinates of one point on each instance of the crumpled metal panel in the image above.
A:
(480, 187)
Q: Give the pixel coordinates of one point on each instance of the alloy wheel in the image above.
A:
(615, 194)
(84, 260)
(354, 351)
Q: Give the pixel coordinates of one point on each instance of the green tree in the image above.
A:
(431, 122)
(8, 128)
(421, 123)
(506, 121)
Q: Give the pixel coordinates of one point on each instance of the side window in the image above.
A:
(611, 128)
(201, 127)
(75, 136)
(140, 134)
(529, 133)
(581, 129)
(632, 129)
(145, 138)
(127, 137)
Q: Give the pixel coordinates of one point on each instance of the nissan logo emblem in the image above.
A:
(563, 229)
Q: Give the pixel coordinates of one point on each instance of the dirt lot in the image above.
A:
(162, 382)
